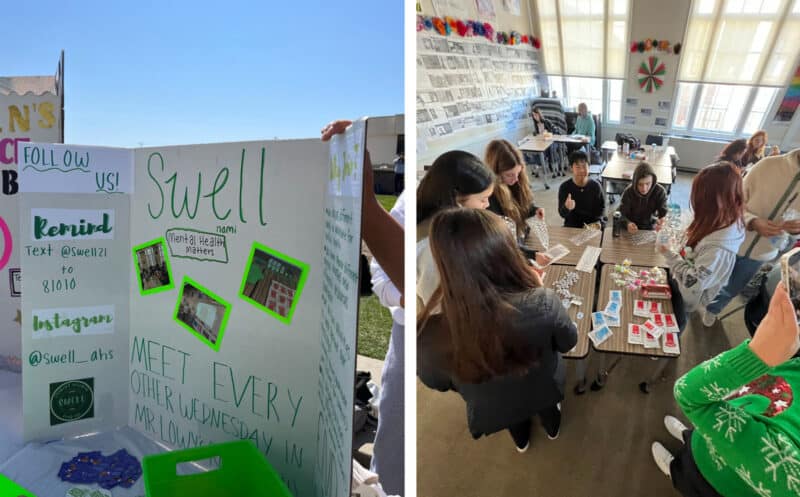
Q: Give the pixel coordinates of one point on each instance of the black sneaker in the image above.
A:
(555, 429)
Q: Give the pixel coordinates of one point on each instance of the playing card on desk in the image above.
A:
(613, 321)
(651, 328)
(635, 334)
(598, 320)
(671, 344)
(600, 335)
(671, 323)
(612, 309)
(650, 342)
(642, 308)
(658, 320)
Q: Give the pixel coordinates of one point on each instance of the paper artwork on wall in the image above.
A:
(651, 73)
(486, 8)
(790, 101)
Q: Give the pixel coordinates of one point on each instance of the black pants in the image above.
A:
(521, 432)
(677, 304)
(686, 478)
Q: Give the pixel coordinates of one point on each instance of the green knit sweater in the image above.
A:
(747, 425)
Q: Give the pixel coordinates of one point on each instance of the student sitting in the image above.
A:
(499, 339)
(746, 440)
(644, 201)
(555, 150)
(580, 199)
(456, 179)
(584, 124)
(713, 237)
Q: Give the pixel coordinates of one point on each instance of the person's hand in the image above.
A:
(540, 213)
(542, 259)
(569, 204)
(660, 222)
(663, 248)
(776, 339)
(538, 276)
(339, 126)
(765, 227)
(775, 150)
(632, 228)
(792, 227)
(334, 128)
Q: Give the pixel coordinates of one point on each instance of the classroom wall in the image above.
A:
(649, 19)
(474, 139)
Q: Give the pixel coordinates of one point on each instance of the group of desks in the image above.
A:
(618, 167)
(594, 288)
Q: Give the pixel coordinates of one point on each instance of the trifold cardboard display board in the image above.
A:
(198, 294)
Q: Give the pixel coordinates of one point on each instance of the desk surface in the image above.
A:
(618, 342)
(562, 235)
(622, 170)
(534, 144)
(584, 288)
(616, 250)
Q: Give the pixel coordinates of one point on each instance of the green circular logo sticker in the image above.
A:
(71, 401)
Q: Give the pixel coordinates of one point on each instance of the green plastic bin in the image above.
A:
(243, 471)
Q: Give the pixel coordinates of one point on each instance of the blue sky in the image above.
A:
(158, 73)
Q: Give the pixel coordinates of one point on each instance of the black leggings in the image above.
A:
(686, 478)
(521, 432)
(677, 304)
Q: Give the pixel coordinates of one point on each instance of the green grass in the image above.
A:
(374, 320)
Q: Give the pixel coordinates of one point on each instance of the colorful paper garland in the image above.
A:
(447, 25)
(651, 73)
(655, 44)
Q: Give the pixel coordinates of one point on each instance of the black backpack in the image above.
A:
(628, 138)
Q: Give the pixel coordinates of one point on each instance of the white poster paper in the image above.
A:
(53, 168)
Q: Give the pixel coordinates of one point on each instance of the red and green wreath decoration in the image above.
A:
(651, 74)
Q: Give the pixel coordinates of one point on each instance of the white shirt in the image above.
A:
(382, 286)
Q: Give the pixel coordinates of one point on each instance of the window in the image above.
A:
(584, 41)
(614, 112)
(761, 105)
(587, 90)
(719, 107)
(683, 106)
(737, 53)
(583, 38)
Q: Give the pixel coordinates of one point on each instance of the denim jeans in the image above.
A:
(743, 271)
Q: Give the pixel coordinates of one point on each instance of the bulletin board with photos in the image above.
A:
(464, 84)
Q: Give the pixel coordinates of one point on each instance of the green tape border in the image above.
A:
(304, 269)
(223, 324)
(165, 252)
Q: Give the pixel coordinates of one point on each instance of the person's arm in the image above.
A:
(382, 234)
(694, 277)
(625, 206)
(731, 434)
(661, 201)
(591, 128)
(752, 222)
(388, 294)
(562, 197)
(565, 333)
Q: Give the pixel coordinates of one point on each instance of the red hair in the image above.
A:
(717, 200)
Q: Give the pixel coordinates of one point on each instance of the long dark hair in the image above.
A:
(732, 149)
(452, 174)
(717, 201)
(515, 200)
(480, 268)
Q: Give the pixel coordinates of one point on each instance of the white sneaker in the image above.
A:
(709, 318)
(663, 457)
(674, 427)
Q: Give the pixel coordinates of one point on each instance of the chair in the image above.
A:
(657, 140)
(552, 111)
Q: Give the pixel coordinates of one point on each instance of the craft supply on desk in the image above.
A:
(588, 260)
(539, 229)
(588, 233)
(120, 468)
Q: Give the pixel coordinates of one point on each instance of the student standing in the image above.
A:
(756, 148)
(456, 179)
(771, 188)
(746, 437)
(499, 339)
(713, 237)
(644, 201)
(580, 198)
